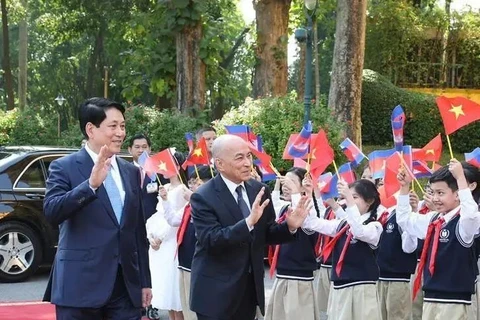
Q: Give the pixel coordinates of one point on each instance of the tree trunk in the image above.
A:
(271, 70)
(444, 75)
(190, 69)
(316, 64)
(95, 65)
(348, 56)
(22, 58)
(6, 58)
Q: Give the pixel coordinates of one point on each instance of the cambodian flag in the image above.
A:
(330, 190)
(301, 145)
(377, 161)
(142, 160)
(243, 131)
(189, 138)
(398, 123)
(353, 153)
(421, 169)
(473, 157)
(267, 172)
(323, 180)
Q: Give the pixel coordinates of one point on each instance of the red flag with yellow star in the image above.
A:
(162, 163)
(431, 152)
(199, 155)
(321, 154)
(457, 112)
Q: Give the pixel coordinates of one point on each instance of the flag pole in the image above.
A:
(308, 161)
(275, 170)
(412, 175)
(336, 168)
(449, 146)
(196, 171)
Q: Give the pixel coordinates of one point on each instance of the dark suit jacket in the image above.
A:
(226, 250)
(92, 243)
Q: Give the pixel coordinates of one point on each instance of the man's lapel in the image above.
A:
(251, 192)
(227, 198)
(85, 167)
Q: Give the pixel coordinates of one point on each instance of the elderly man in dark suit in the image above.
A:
(234, 219)
(101, 266)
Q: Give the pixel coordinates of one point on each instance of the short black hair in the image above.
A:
(472, 174)
(93, 110)
(199, 133)
(139, 136)
(204, 173)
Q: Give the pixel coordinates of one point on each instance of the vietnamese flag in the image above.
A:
(457, 112)
(431, 152)
(198, 156)
(387, 202)
(162, 163)
(321, 154)
(390, 181)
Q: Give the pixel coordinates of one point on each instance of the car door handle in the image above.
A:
(35, 195)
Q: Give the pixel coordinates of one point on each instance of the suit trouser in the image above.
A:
(118, 307)
(247, 307)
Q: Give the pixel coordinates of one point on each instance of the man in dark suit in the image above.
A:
(138, 144)
(101, 266)
(234, 218)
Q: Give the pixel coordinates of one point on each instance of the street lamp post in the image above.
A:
(60, 100)
(306, 35)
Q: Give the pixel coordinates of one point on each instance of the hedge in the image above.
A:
(423, 121)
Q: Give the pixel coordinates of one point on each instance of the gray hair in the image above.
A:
(222, 142)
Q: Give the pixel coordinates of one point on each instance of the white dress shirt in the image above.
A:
(369, 233)
(232, 187)
(417, 224)
(174, 218)
(115, 171)
(409, 241)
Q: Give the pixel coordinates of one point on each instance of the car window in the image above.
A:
(48, 160)
(32, 178)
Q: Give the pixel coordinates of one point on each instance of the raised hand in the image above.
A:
(296, 217)
(414, 200)
(455, 167)
(257, 208)
(162, 192)
(100, 168)
(428, 198)
(345, 192)
(405, 180)
(308, 185)
(290, 185)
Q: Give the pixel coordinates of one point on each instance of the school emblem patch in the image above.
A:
(390, 227)
(444, 234)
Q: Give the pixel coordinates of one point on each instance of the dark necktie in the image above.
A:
(241, 203)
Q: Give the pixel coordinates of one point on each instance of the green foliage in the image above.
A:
(32, 127)
(276, 118)
(7, 124)
(380, 96)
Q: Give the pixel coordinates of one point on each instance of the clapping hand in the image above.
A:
(100, 168)
(296, 217)
(257, 208)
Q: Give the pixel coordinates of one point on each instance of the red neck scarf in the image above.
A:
(433, 229)
(187, 213)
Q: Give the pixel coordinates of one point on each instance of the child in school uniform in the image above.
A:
(448, 262)
(186, 238)
(354, 269)
(293, 294)
(396, 259)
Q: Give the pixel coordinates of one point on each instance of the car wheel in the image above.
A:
(20, 252)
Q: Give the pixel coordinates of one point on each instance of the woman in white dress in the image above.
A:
(163, 247)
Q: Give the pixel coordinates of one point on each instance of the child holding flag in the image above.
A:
(448, 262)
(355, 270)
(293, 293)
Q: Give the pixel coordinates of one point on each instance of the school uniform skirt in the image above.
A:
(184, 277)
(292, 299)
(358, 302)
(395, 300)
(323, 284)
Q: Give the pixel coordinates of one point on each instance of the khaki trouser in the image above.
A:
(184, 277)
(417, 306)
(395, 300)
(323, 284)
(292, 299)
(359, 302)
(444, 311)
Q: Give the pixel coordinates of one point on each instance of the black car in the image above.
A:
(27, 240)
